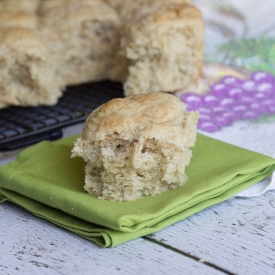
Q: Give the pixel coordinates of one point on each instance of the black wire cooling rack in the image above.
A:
(22, 126)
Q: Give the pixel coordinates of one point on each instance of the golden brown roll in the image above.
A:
(26, 74)
(148, 45)
(137, 146)
(161, 48)
(81, 36)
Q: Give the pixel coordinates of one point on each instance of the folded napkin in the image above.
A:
(48, 183)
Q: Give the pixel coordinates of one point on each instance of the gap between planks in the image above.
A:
(152, 240)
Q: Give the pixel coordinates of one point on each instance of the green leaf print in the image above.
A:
(238, 49)
(271, 54)
(261, 66)
(248, 50)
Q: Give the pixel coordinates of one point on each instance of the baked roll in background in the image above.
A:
(148, 45)
(161, 47)
(81, 36)
(27, 75)
(137, 146)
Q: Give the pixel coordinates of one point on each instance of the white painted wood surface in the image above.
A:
(233, 237)
(30, 245)
(237, 235)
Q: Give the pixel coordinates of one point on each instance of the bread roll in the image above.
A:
(26, 74)
(148, 45)
(81, 36)
(136, 146)
(161, 47)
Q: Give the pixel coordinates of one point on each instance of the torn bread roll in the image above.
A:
(27, 75)
(137, 146)
(81, 37)
(161, 46)
(147, 45)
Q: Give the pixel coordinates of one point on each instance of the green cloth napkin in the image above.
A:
(48, 183)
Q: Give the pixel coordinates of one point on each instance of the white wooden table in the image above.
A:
(233, 237)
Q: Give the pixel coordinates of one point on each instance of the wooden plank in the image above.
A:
(30, 245)
(238, 235)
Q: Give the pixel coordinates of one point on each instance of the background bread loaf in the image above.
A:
(81, 36)
(148, 45)
(27, 74)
